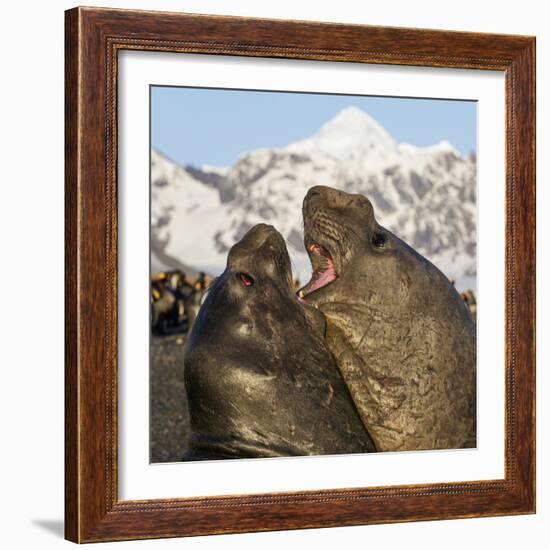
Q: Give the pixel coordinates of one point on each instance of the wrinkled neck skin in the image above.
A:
(261, 381)
(405, 344)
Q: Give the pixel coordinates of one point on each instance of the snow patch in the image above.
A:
(426, 195)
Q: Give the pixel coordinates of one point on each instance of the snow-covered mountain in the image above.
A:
(427, 196)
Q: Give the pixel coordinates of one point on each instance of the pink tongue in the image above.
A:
(325, 278)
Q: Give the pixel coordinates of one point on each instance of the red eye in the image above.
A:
(247, 280)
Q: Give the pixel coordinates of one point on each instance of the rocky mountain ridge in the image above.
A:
(426, 195)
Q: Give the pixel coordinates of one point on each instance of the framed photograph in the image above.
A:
(300, 275)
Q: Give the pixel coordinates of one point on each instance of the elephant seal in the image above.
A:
(400, 333)
(259, 378)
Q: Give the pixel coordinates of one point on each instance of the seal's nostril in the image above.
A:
(312, 198)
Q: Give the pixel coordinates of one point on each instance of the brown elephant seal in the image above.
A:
(399, 331)
(259, 378)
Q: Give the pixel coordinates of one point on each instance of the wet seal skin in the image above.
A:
(259, 378)
(401, 336)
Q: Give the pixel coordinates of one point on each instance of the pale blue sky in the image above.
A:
(209, 126)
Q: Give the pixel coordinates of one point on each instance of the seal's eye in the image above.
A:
(379, 240)
(246, 280)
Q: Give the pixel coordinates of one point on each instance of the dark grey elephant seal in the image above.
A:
(401, 335)
(259, 377)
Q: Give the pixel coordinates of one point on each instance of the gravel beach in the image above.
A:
(169, 422)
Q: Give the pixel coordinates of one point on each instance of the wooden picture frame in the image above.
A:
(93, 511)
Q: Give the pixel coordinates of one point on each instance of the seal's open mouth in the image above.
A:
(324, 269)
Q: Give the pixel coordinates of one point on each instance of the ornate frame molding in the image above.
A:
(93, 38)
